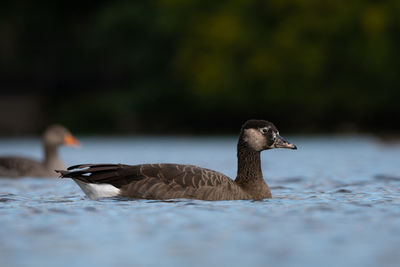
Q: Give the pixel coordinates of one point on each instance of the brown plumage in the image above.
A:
(169, 181)
(53, 137)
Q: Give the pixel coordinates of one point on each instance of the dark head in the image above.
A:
(260, 135)
(56, 135)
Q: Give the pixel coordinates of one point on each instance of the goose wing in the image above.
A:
(159, 181)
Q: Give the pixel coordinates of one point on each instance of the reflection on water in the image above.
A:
(336, 201)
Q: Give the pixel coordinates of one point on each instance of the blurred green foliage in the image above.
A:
(183, 65)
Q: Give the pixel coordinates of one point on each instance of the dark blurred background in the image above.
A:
(199, 67)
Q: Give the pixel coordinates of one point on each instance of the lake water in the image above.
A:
(336, 202)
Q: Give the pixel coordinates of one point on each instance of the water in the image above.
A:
(336, 202)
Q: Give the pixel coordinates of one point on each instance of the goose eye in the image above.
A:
(264, 130)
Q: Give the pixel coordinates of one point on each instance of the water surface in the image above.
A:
(336, 201)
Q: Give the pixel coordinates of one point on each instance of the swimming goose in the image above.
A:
(169, 181)
(53, 137)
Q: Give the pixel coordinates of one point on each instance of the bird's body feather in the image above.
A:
(160, 181)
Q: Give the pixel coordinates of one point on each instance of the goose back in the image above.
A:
(20, 166)
(160, 181)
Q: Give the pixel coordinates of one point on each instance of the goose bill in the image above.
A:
(282, 143)
(69, 140)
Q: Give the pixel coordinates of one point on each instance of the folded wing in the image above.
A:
(159, 181)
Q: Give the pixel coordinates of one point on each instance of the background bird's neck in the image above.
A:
(51, 159)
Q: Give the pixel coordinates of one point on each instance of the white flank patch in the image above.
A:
(96, 191)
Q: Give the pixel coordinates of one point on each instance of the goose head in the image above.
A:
(56, 135)
(259, 135)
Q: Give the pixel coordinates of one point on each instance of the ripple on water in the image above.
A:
(280, 187)
(387, 178)
(8, 198)
(291, 180)
(344, 191)
(91, 209)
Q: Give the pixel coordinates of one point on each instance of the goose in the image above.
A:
(172, 181)
(54, 136)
